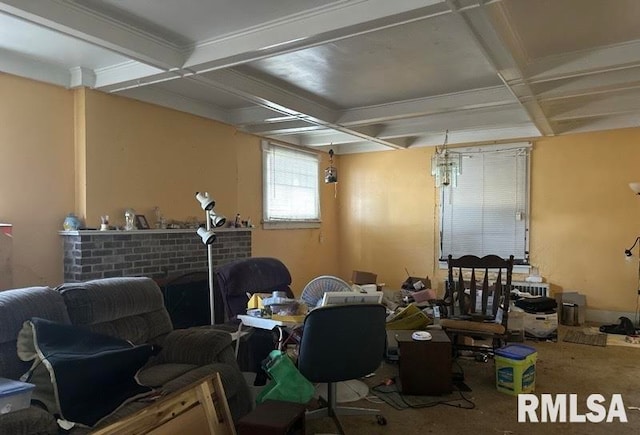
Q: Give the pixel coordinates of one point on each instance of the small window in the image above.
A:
(290, 187)
(488, 211)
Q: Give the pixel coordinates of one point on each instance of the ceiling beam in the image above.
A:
(125, 75)
(596, 60)
(256, 115)
(592, 84)
(71, 19)
(328, 137)
(281, 128)
(266, 95)
(506, 62)
(279, 100)
(479, 136)
(586, 107)
(462, 120)
(587, 125)
(488, 97)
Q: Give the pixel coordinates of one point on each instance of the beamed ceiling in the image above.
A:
(353, 75)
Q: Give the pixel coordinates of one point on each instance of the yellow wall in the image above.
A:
(36, 174)
(130, 154)
(583, 215)
(140, 155)
(386, 214)
(383, 219)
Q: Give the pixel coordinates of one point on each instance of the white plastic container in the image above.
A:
(14, 395)
(540, 325)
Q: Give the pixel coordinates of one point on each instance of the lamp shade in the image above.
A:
(217, 220)
(206, 202)
(635, 186)
(207, 236)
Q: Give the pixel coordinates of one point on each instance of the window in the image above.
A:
(291, 191)
(488, 212)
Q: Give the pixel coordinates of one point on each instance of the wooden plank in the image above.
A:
(201, 406)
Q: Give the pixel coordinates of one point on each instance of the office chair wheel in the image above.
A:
(381, 420)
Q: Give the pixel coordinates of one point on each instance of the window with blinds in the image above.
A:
(488, 212)
(291, 188)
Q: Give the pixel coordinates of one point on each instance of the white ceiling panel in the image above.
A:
(393, 64)
(358, 75)
(552, 27)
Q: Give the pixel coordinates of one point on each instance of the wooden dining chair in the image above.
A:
(477, 296)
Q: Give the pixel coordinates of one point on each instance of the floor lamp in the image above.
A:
(635, 187)
(212, 220)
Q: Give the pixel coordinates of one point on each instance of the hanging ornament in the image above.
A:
(446, 165)
(331, 173)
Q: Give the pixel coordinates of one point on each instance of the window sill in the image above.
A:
(517, 268)
(290, 225)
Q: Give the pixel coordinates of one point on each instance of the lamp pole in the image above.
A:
(212, 303)
(208, 237)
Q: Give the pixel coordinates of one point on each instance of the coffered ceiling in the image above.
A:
(353, 75)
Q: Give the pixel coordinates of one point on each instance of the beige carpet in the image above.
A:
(561, 368)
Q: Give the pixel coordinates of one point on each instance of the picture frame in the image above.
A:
(141, 222)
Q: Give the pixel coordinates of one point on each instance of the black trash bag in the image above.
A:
(625, 327)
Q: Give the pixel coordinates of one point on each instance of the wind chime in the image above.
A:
(331, 174)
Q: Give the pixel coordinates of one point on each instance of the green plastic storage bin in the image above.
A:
(516, 369)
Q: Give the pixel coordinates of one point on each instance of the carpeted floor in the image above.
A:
(392, 395)
(562, 368)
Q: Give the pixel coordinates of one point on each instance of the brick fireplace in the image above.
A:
(175, 259)
(90, 254)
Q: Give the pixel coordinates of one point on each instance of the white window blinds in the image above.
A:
(487, 213)
(290, 184)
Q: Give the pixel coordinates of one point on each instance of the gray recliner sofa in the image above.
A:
(127, 308)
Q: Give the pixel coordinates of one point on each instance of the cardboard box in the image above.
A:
(360, 277)
(540, 325)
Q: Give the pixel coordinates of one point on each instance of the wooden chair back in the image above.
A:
(496, 274)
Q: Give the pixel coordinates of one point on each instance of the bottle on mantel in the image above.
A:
(237, 223)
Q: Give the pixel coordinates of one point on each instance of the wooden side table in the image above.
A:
(425, 366)
(273, 418)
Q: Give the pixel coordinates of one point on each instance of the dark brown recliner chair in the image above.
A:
(248, 276)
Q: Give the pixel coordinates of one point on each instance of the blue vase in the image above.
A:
(71, 222)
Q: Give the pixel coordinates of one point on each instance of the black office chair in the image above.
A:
(339, 343)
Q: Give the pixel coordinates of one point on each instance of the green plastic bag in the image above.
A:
(287, 383)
